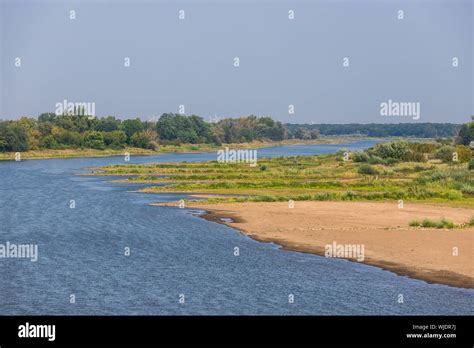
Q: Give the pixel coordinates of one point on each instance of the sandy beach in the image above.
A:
(389, 242)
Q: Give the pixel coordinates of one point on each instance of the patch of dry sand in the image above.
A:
(382, 228)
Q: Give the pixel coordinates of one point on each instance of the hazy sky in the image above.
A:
(283, 61)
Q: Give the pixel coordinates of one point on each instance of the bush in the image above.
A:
(445, 153)
(390, 161)
(465, 188)
(360, 157)
(397, 150)
(446, 224)
(349, 196)
(424, 147)
(471, 164)
(439, 176)
(416, 156)
(367, 170)
(420, 152)
(434, 224)
(376, 160)
(464, 153)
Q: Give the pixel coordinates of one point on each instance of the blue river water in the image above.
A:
(173, 254)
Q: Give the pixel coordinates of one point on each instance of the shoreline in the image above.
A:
(429, 275)
(167, 149)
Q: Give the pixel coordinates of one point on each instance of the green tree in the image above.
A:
(47, 117)
(107, 124)
(131, 127)
(167, 127)
(466, 134)
(65, 137)
(145, 139)
(115, 139)
(184, 129)
(13, 136)
(94, 140)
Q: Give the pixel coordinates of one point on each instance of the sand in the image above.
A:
(383, 229)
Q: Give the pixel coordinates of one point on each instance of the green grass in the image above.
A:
(427, 223)
(325, 177)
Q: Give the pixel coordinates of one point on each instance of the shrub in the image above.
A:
(428, 223)
(464, 153)
(398, 150)
(446, 224)
(439, 175)
(349, 196)
(423, 147)
(376, 160)
(441, 224)
(325, 196)
(466, 188)
(471, 164)
(367, 170)
(445, 153)
(390, 161)
(360, 157)
(416, 156)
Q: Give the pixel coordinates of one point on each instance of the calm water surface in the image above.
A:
(81, 252)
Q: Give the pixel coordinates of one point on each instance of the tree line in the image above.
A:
(51, 131)
(418, 130)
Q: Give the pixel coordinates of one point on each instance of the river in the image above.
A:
(82, 268)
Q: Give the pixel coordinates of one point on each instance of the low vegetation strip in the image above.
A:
(442, 224)
(388, 171)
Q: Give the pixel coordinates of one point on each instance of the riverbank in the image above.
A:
(327, 177)
(382, 228)
(183, 148)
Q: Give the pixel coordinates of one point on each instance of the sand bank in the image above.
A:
(383, 229)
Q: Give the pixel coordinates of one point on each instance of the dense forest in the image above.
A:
(51, 131)
(419, 130)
